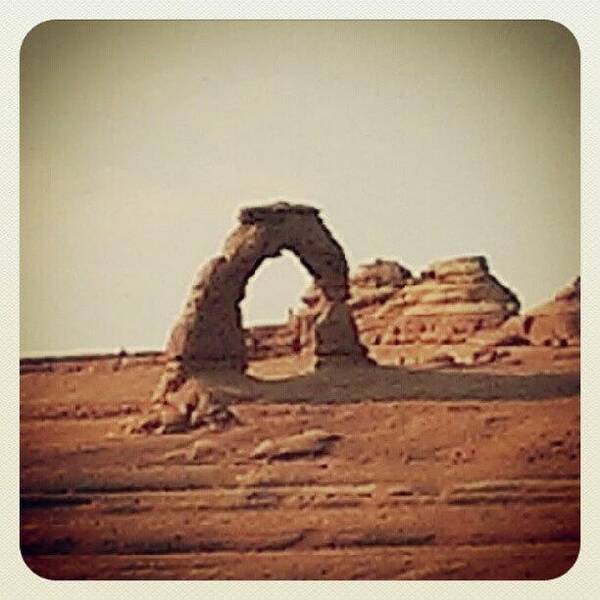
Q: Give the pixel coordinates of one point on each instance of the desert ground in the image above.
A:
(428, 471)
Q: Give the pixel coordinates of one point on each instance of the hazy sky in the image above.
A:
(418, 140)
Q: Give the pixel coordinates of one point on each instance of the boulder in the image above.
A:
(309, 443)
(206, 451)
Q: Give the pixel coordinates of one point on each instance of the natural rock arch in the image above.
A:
(209, 332)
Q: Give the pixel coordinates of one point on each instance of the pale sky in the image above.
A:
(140, 141)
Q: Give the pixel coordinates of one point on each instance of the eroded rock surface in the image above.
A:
(557, 323)
(554, 323)
(209, 333)
(450, 301)
(192, 406)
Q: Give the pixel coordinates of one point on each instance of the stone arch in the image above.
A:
(209, 333)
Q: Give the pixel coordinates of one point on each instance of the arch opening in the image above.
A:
(273, 290)
(269, 311)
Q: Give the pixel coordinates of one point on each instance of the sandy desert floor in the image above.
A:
(438, 473)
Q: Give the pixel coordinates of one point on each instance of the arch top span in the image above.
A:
(209, 331)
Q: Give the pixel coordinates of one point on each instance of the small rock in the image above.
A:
(140, 424)
(205, 451)
(175, 455)
(484, 356)
(310, 443)
(466, 356)
(264, 449)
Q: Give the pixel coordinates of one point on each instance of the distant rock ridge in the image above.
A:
(452, 301)
(553, 323)
(448, 302)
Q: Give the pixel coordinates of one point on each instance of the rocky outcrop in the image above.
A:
(209, 334)
(450, 301)
(371, 286)
(555, 323)
(192, 406)
(380, 274)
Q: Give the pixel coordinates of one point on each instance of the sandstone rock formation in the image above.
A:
(380, 274)
(450, 301)
(373, 285)
(555, 323)
(209, 334)
(192, 406)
